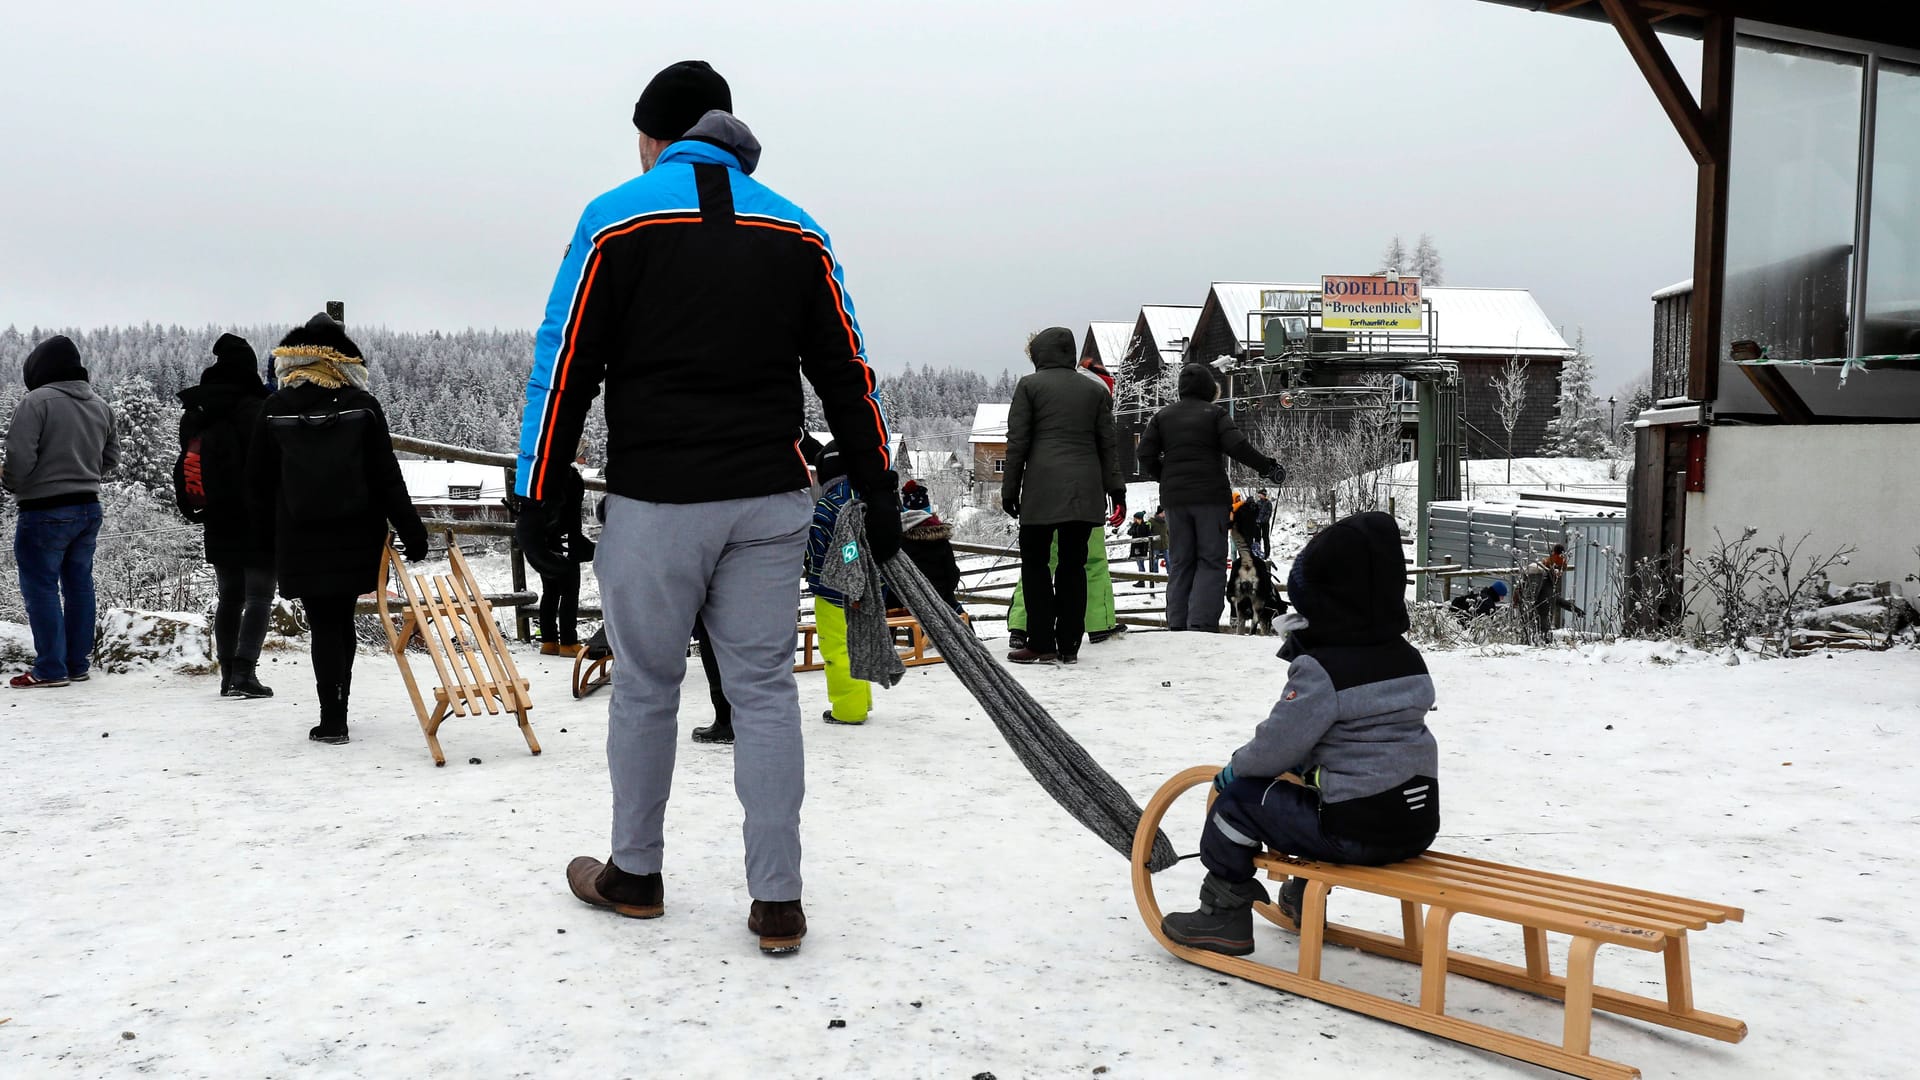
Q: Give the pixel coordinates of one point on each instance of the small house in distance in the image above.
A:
(1107, 342)
(988, 440)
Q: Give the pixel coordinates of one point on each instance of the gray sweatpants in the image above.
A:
(737, 564)
(1196, 566)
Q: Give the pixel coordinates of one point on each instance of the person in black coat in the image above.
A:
(1181, 448)
(323, 487)
(1471, 606)
(560, 586)
(209, 484)
(928, 541)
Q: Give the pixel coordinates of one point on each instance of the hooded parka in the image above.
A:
(1061, 459)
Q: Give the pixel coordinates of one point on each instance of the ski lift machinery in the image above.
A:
(1298, 352)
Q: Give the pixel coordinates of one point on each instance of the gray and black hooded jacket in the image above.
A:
(1352, 719)
(62, 439)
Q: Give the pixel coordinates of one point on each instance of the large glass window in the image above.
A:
(1793, 185)
(1891, 321)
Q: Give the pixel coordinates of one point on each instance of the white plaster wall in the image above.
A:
(1855, 484)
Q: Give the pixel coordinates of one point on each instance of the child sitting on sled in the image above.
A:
(1351, 722)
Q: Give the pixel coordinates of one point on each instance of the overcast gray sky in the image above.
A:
(985, 169)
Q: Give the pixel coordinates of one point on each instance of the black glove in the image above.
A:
(415, 547)
(1277, 476)
(544, 551)
(879, 491)
(1011, 504)
(580, 549)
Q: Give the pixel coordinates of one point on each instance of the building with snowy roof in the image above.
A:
(1477, 329)
(1107, 342)
(988, 441)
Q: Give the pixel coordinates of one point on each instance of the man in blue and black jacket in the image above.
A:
(698, 298)
(1351, 724)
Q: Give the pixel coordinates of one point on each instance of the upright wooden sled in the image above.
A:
(1591, 913)
(452, 619)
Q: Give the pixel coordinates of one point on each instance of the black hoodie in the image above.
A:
(220, 414)
(1183, 443)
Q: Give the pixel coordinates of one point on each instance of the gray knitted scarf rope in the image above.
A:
(1061, 765)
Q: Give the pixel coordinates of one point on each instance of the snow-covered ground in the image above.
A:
(189, 888)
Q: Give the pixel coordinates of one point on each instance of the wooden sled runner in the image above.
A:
(452, 619)
(592, 671)
(1432, 889)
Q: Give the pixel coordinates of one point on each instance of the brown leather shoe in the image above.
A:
(637, 896)
(780, 923)
(1025, 655)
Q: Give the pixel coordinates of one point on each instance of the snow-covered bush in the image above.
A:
(148, 556)
(1433, 626)
(1795, 585)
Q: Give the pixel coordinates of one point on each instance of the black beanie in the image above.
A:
(678, 97)
(233, 362)
(321, 332)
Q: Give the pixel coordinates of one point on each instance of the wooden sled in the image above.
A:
(590, 673)
(1432, 889)
(909, 640)
(453, 621)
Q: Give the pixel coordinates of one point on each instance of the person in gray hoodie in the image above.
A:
(1350, 723)
(60, 442)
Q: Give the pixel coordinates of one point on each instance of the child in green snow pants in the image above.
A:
(851, 698)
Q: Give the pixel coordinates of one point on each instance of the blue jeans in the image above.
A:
(54, 549)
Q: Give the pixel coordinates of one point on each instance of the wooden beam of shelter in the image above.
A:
(1779, 394)
(1665, 79)
(1710, 211)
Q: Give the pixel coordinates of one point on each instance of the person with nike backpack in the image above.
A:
(209, 484)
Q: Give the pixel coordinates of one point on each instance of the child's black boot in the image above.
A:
(1224, 923)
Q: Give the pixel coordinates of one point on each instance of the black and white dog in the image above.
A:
(1252, 600)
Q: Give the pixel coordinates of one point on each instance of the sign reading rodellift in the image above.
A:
(1378, 302)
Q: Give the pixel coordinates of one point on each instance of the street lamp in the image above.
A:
(1611, 425)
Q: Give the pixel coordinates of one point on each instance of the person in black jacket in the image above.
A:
(1141, 550)
(323, 486)
(560, 585)
(1181, 448)
(928, 541)
(1062, 472)
(1471, 606)
(708, 503)
(209, 483)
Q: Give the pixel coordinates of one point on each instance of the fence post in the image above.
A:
(521, 627)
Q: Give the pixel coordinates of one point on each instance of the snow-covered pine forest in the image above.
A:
(464, 387)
